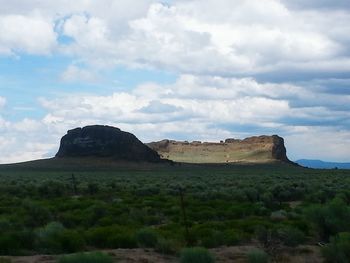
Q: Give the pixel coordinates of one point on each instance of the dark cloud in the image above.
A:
(295, 76)
(247, 130)
(329, 86)
(317, 4)
(317, 121)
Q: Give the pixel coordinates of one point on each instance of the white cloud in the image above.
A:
(29, 27)
(324, 143)
(216, 37)
(29, 34)
(2, 102)
(74, 73)
(212, 37)
(25, 140)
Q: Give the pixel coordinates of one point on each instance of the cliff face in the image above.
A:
(105, 141)
(257, 149)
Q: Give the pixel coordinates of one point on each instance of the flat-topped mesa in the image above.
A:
(257, 149)
(105, 141)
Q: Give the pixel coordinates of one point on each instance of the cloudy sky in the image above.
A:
(180, 69)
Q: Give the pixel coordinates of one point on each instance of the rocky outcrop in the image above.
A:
(105, 141)
(253, 149)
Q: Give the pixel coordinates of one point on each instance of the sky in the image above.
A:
(180, 69)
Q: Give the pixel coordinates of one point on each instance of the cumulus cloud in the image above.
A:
(227, 38)
(29, 34)
(2, 102)
(221, 37)
(25, 140)
(324, 143)
(74, 73)
(34, 27)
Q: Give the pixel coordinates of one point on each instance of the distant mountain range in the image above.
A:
(318, 164)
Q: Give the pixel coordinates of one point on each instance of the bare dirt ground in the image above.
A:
(237, 254)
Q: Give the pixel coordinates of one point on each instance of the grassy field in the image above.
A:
(66, 206)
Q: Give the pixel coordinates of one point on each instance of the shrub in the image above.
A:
(257, 256)
(71, 241)
(36, 215)
(122, 240)
(98, 236)
(331, 218)
(26, 239)
(93, 257)
(93, 188)
(111, 237)
(196, 255)
(146, 237)
(232, 237)
(215, 239)
(291, 236)
(338, 250)
(165, 246)
(5, 224)
(48, 238)
(208, 236)
(9, 244)
(5, 260)
(279, 215)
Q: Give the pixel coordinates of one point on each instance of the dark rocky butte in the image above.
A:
(105, 141)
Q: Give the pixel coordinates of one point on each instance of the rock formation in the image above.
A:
(257, 149)
(105, 141)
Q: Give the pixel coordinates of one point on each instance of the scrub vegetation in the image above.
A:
(66, 210)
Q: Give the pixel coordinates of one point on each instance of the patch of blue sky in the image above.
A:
(26, 78)
(125, 79)
(64, 40)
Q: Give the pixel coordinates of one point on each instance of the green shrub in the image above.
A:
(26, 239)
(196, 255)
(232, 237)
(165, 246)
(9, 244)
(48, 238)
(278, 215)
(338, 250)
(331, 218)
(71, 241)
(36, 214)
(146, 237)
(93, 257)
(5, 260)
(291, 236)
(98, 236)
(111, 237)
(208, 236)
(122, 240)
(215, 239)
(5, 224)
(258, 256)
